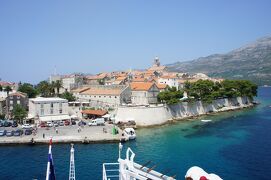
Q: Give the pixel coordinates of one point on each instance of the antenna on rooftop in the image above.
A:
(55, 70)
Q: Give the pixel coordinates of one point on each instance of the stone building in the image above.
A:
(144, 93)
(101, 96)
(13, 99)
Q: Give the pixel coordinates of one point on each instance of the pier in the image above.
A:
(66, 134)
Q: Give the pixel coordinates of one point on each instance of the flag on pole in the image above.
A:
(50, 173)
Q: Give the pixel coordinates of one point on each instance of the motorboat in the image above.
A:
(206, 120)
(129, 133)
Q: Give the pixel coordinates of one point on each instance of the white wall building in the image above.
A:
(48, 109)
(169, 80)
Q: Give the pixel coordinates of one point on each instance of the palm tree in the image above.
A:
(57, 85)
(44, 89)
(8, 89)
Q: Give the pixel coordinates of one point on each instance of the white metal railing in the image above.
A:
(110, 171)
(127, 169)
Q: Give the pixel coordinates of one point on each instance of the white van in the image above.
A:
(97, 122)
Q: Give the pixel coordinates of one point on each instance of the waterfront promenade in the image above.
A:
(66, 134)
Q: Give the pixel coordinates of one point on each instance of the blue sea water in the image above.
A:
(235, 145)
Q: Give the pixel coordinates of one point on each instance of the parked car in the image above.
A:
(61, 123)
(28, 132)
(55, 124)
(7, 124)
(42, 124)
(18, 132)
(3, 132)
(67, 122)
(26, 126)
(82, 123)
(50, 124)
(9, 133)
(14, 124)
(1, 123)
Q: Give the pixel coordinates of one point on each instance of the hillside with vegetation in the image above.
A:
(252, 62)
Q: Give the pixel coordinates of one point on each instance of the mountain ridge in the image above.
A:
(251, 61)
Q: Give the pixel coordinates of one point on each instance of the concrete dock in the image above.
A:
(65, 134)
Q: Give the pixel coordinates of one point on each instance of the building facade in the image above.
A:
(2, 106)
(110, 96)
(48, 109)
(169, 80)
(144, 93)
(14, 99)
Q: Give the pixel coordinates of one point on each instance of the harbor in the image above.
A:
(66, 134)
(230, 138)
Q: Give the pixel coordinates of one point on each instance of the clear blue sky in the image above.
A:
(94, 36)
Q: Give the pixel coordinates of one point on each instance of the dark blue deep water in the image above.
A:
(235, 145)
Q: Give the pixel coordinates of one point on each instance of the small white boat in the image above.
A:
(206, 120)
(129, 133)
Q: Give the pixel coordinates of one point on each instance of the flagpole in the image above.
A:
(49, 157)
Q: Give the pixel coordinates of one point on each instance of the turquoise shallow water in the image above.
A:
(235, 145)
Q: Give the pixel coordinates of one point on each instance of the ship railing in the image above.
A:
(110, 171)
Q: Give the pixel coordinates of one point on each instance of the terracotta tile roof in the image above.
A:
(97, 77)
(18, 94)
(102, 92)
(141, 86)
(80, 90)
(120, 78)
(94, 112)
(5, 83)
(161, 86)
(139, 80)
(169, 77)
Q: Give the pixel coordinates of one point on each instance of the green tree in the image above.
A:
(2, 116)
(8, 89)
(45, 89)
(101, 81)
(19, 113)
(28, 89)
(170, 96)
(1, 88)
(207, 91)
(69, 96)
(57, 84)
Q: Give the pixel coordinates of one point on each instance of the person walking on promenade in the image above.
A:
(43, 135)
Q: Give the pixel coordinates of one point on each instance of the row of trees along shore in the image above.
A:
(207, 91)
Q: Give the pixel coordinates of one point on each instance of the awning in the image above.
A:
(106, 116)
(30, 116)
(74, 116)
(55, 118)
(74, 102)
(94, 112)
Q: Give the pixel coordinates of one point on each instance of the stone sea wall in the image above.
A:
(155, 115)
